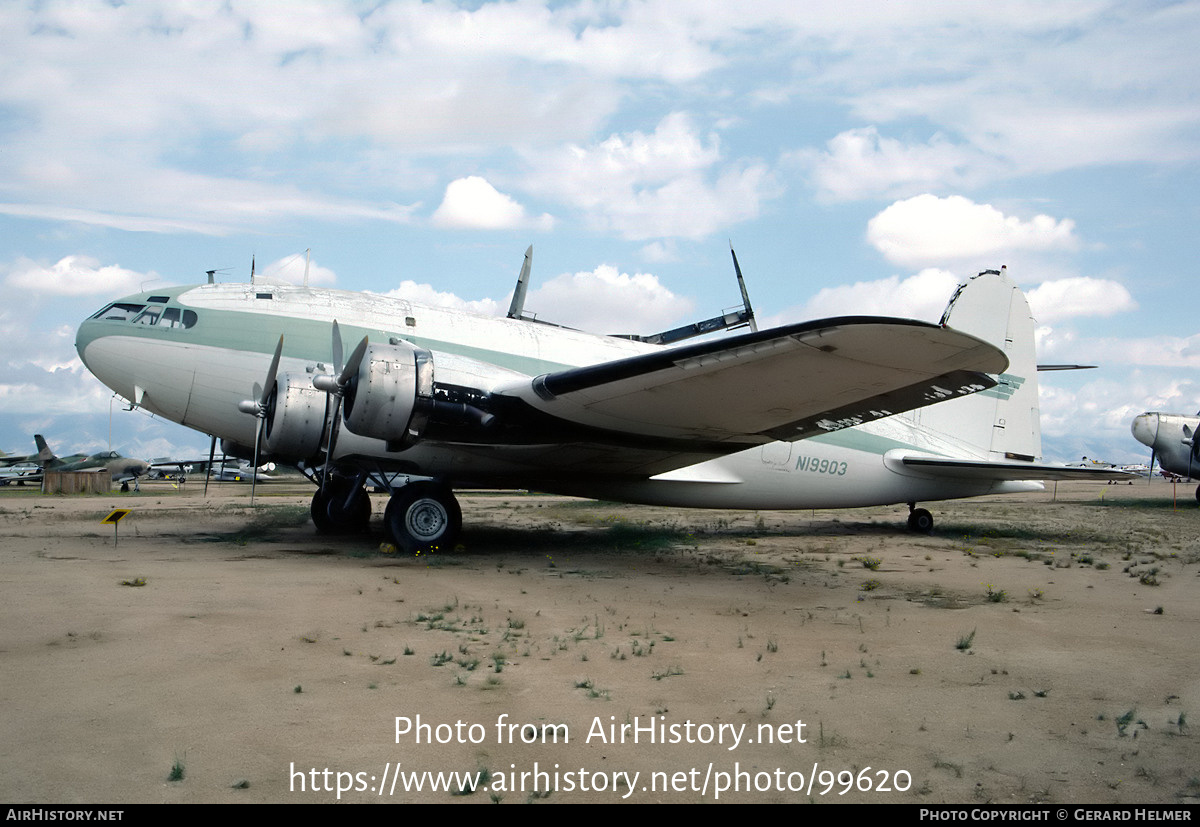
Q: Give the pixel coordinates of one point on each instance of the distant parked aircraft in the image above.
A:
(1172, 441)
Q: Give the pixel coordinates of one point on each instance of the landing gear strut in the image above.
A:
(341, 507)
(919, 520)
(423, 517)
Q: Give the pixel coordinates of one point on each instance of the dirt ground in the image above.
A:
(1036, 648)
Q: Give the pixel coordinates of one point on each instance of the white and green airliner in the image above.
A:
(842, 412)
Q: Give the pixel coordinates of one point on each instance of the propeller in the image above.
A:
(212, 451)
(1190, 440)
(335, 384)
(259, 408)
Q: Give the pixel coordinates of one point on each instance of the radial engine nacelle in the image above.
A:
(390, 397)
(296, 414)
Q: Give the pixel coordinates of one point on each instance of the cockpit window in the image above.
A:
(148, 316)
(171, 317)
(119, 312)
(174, 317)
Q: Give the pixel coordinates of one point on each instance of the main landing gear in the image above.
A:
(341, 506)
(422, 517)
(919, 520)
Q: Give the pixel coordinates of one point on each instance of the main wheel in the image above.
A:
(423, 517)
(332, 514)
(920, 520)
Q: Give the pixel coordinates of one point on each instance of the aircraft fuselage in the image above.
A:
(191, 354)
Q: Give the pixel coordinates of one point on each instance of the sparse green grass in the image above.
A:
(1124, 721)
(177, 770)
(965, 642)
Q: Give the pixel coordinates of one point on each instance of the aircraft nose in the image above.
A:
(1145, 428)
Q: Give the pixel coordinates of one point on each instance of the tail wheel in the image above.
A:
(422, 517)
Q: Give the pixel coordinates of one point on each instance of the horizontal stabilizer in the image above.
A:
(787, 383)
(970, 469)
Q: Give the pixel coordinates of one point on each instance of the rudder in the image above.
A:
(1002, 423)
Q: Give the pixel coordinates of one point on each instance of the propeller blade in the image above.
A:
(337, 348)
(212, 451)
(352, 366)
(254, 469)
(271, 372)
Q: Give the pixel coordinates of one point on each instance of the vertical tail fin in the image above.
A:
(44, 453)
(1002, 423)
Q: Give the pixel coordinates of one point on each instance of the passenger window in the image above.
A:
(170, 318)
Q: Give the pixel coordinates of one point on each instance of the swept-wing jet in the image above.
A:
(808, 415)
(1172, 441)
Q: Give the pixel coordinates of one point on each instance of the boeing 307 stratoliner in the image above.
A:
(842, 412)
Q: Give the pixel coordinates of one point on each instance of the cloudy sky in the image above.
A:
(861, 158)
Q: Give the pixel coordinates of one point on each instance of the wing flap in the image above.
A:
(786, 383)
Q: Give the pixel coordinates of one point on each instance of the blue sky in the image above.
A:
(862, 158)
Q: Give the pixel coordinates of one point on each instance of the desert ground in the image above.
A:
(1036, 648)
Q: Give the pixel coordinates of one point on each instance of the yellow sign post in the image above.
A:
(115, 517)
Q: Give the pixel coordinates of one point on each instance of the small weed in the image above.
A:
(966, 642)
(995, 595)
(669, 672)
(298, 690)
(177, 771)
(872, 563)
(947, 765)
(1124, 721)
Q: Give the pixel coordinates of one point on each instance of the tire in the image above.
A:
(920, 521)
(331, 516)
(423, 517)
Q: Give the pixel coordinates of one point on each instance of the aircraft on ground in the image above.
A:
(1172, 441)
(834, 413)
(122, 469)
(20, 473)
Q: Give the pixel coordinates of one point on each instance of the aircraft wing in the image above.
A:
(787, 383)
(981, 469)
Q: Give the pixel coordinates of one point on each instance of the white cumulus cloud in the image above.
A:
(926, 230)
(473, 203)
(920, 296)
(669, 183)
(860, 163)
(76, 275)
(1053, 301)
